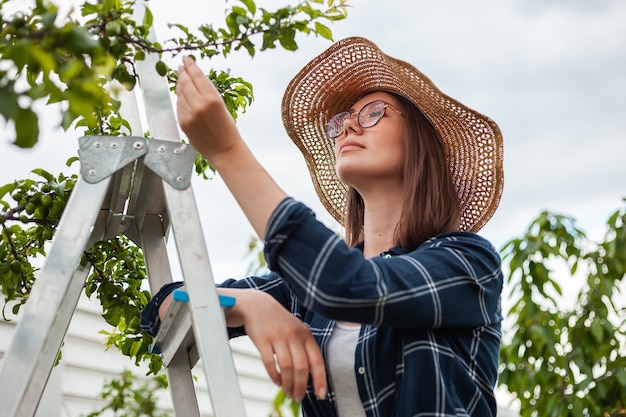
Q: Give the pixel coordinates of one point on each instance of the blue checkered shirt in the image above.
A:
(431, 317)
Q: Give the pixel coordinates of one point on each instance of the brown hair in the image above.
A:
(431, 203)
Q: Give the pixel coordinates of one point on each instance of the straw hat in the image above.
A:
(354, 66)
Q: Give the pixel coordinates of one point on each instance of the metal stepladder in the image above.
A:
(141, 188)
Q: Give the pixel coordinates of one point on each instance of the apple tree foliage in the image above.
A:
(67, 62)
(564, 352)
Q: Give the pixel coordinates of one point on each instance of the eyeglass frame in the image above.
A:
(358, 113)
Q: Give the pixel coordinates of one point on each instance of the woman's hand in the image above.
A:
(202, 113)
(283, 341)
(203, 116)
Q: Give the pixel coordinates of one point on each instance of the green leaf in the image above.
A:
(294, 406)
(287, 41)
(147, 18)
(279, 400)
(16, 309)
(250, 5)
(8, 102)
(79, 41)
(26, 128)
(552, 403)
(596, 330)
(48, 19)
(43, 173)
(140, 55)
(67, 118)
(89, 8)
(538, 336)
(231, 23)
(71, 161)
(7, 188)
(18, 53)
(70, 70)
(323, 31)
(135, 348)
(43, 58)
(621, 376)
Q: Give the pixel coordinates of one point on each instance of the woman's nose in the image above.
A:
(351, 123)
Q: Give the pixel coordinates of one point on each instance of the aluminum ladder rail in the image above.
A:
(138, 187)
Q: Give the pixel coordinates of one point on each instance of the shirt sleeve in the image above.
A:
(452, 280)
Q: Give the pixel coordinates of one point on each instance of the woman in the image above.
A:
(403, 317)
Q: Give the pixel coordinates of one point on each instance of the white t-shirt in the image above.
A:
(340, 352)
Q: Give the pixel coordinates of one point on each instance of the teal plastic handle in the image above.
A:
(183, 296)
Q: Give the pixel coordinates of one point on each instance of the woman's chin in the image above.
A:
(349, 175)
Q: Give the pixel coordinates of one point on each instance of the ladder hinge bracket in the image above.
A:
(172, 161)
(102, 156)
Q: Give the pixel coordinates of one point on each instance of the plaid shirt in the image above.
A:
(430, 338)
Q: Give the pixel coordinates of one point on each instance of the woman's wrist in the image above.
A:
(246, 300)
(235, 317)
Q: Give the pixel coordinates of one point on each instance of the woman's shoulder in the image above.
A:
(463, 249)
(459, 235)
(462, 240)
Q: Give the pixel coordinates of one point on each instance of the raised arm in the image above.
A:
(212, 131)
(279, 336)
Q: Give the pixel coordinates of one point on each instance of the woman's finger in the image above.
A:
(269, 361)
(185, 86)
(200, 81)
(285, 363)
(317, 368)
(300, 369)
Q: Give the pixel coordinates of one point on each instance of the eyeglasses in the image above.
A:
(368, 116)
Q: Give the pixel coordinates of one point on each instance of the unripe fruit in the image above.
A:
(161, 68)
(46, 200)
(113, 28)
(5, 267)
(16, 267)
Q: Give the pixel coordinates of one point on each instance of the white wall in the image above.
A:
(74, 386)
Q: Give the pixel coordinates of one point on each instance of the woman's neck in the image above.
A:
(381, 217)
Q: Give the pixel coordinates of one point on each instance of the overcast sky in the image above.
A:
(550, 73)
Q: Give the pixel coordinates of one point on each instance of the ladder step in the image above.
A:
(176, 332)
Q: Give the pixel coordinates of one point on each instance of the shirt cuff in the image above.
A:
(149, 319)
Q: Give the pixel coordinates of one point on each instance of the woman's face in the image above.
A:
(367, 156)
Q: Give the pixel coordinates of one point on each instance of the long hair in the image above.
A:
(430, 204)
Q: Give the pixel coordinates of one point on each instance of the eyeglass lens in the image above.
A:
(368, 116)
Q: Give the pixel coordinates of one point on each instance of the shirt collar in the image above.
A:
(394, 251)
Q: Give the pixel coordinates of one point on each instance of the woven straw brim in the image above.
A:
(354, 66)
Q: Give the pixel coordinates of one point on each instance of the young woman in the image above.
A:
(401, 318)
